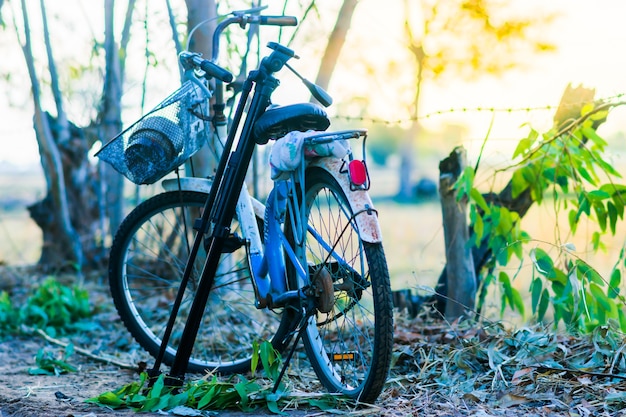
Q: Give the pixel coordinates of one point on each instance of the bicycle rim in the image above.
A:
(349, 346)
(147, 262)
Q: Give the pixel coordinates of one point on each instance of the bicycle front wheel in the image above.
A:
(349, 339)
(146, 265)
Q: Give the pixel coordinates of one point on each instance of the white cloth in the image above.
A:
(287, 152)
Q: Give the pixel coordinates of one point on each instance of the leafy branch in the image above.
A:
(569, 164)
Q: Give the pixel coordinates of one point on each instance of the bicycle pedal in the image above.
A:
(343, 357)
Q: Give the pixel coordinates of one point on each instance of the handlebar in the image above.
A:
(244, 19)
(190, 60)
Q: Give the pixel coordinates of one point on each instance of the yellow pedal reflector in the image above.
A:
(345, 356)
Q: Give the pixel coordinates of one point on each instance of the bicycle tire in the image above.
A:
(146, 265)
(349, 347)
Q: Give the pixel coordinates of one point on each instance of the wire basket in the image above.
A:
(162, 139)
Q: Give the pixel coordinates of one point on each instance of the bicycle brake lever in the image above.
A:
(186, 59)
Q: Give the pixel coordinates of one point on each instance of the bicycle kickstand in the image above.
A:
(300, 329)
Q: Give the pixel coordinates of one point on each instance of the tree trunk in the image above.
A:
(335, 43)
(109, 121)
(68, 215)
(200, 12)
(61, 247)
(79, 185)
(407, 150)
(407, 162)
(461, 278)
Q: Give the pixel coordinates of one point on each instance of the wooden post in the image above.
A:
(461, 277)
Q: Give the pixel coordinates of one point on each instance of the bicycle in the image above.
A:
(208, 257)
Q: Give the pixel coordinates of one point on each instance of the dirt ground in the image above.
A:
(64, 395)
(439, 370)
(23, 394)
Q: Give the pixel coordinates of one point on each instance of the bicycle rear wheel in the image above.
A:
(146, 265)
(349, 339)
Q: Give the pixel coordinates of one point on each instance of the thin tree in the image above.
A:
(201, 15)
(109, 119)
(336, 41)
(464, 38)
(73, 230)
(60, 240)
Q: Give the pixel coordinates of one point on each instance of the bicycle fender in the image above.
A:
(203, 185)
(360, 201)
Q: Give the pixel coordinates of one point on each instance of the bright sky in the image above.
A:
(590, 37)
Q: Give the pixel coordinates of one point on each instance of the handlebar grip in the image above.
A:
(216, 71)
(278, 20)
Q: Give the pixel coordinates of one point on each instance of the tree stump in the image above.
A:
(461, 277)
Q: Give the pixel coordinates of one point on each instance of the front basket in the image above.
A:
(162, 139)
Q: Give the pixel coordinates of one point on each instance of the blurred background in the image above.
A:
(422, 76)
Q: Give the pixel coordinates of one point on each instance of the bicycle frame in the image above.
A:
(227, 194)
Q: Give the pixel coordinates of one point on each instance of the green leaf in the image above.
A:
(618, 200)
(597, 241)
(599, 115)
(157, 388)
(524, 145)
(572, 217)
(585, 174)
(601, 215)
(518, 183)
(592, 135)
(622, 319)
(616, 279)
(207, 397)
(324, 404)
(586, 109)
(536, 289)
(599, 296)
(612, 211)
(109, 399)
(544, 301)
(478, 226)
(549, 174)
(465, 182)
(607, 167)
(245, 389)
(613, 189)
(597, 195)
(273, 407)
(479, 200)
(255, 357)
(543, 263)
(517, 301)
(589, 273)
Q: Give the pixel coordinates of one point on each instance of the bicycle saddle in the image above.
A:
(278, 121)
